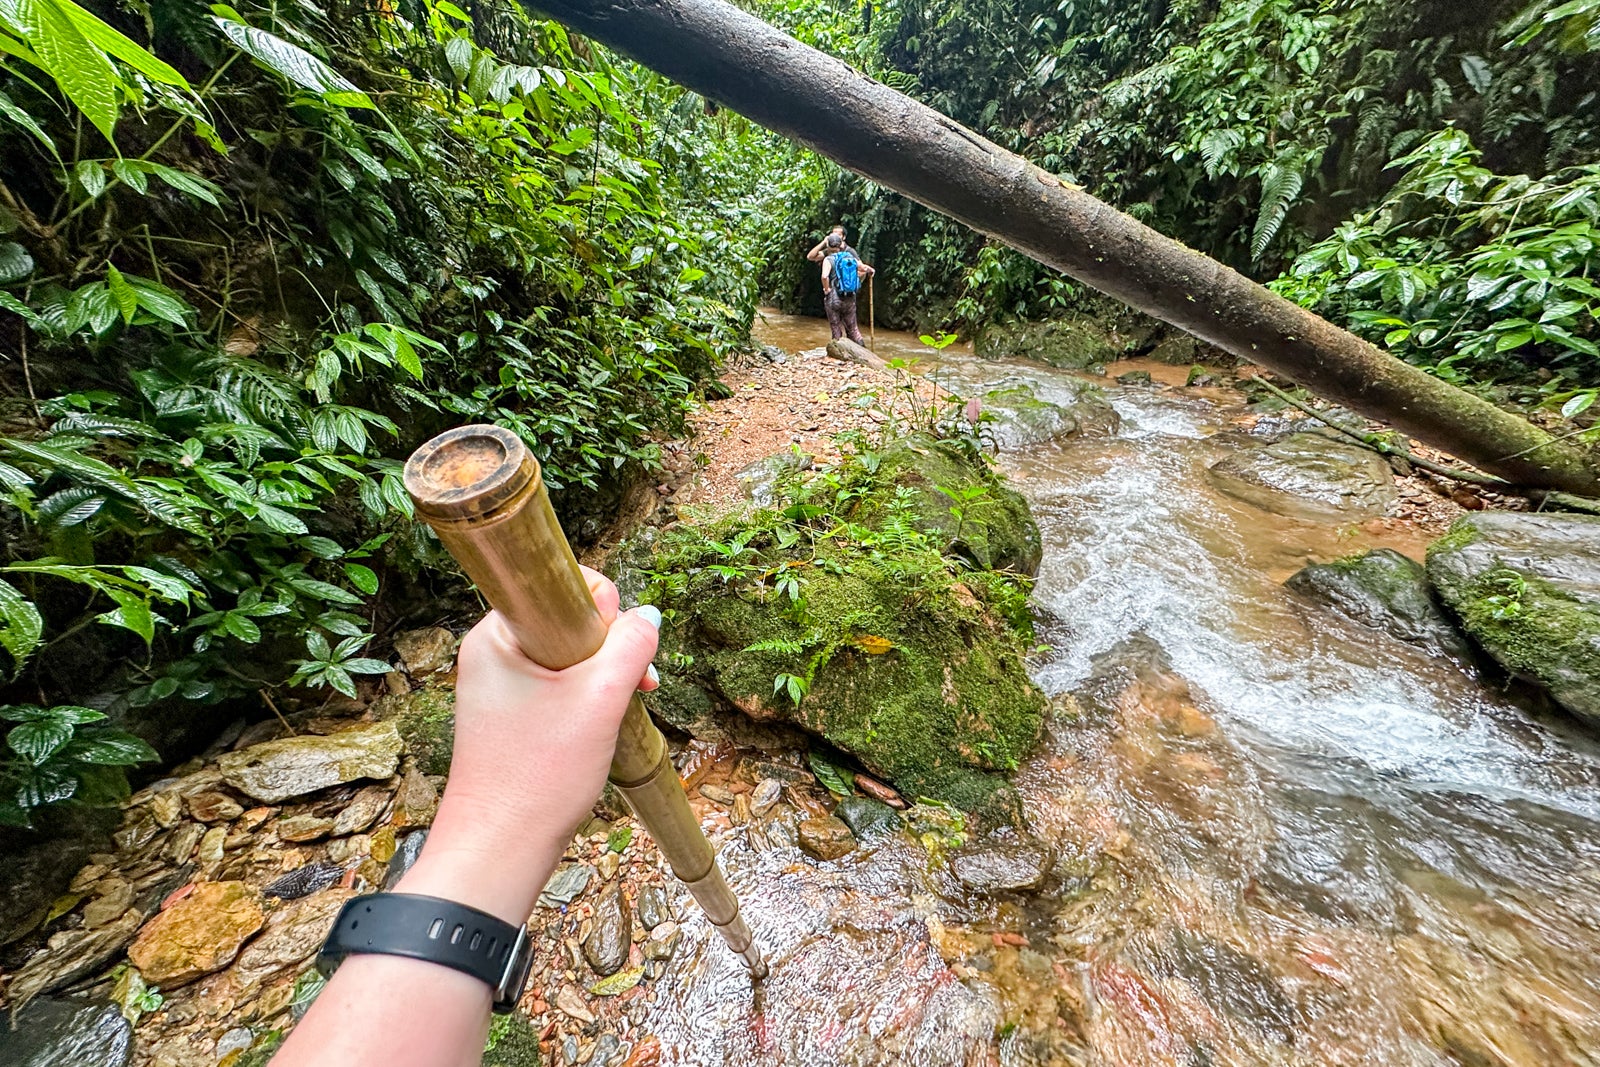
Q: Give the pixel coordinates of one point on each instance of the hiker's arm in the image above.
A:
(827, 268)
(815, 255)
(532, 747)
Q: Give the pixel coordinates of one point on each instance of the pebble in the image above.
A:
(181, 845)
(716, 794)
(566, 885)
(110, 905)
(304, 828)
(214, 807)
(653, 907)
(211, 845)
(826, 838)
(765, 796)
(361, 812)
(167, 809)
(878, 791)
(240, 1037)
(607, 864)
(571, 1002)
(741, 810)
(606, 947)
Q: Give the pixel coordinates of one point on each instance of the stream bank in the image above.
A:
(1273, 835)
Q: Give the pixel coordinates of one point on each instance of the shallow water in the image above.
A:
(1283, 839)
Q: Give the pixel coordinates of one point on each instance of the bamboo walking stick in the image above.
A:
(872, 317)
(483, 494)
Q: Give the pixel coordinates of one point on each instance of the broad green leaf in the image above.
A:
(362, 577)
(26, 121)
(1577, 405)
(322, 591)
(123, 48)
(161, 302)
(38, 740)
(79, 67)
(91, 176)
(293, 62)
(242, 628)
(15, 263)
(21, 625)
(131, 613)
(48, 785)
(1477, 72)
(127, 300)
(116, 750)
(195, 186)
(458, 53)
(366, 665)
(135, 175)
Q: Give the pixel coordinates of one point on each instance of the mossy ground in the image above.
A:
(906, 653)
(426, 719)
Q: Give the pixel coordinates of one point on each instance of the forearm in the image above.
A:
(387, 1011)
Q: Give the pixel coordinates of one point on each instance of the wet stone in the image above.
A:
(866, 816)
(210, 851)
(236, 1040)
(214, 807)
(405, 857)
(1001, 868)
(184, 839)
(199, 934)
(66, 1033)
(1309, 475)
(417, 801)
(663, 941)
(71, 955)
(653, 907)
(566, 885)
(166, 809)
(767, 793)
(277, 770)
(608, 864)
(292, 935)
(304, 828)
(717, 794)
(361, 812)
(427, 650)
(826, 838)
(110, 905)
(571, 1003)
(606, 947)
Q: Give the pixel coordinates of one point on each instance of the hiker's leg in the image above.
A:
(848, 313)
(830, 304)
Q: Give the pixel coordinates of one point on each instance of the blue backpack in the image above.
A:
(846, 278)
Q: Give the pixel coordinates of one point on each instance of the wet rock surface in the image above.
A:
(1386, 591)
(1526, 588)
(606, 947)
(275, 771)
(1009, 867)
(826, 838)
(866, 816)
(199, 934)
(1309, 474)
(66, 1033)
(1013, 416)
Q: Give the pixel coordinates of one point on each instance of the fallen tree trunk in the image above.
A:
(738, 60)
(842, 348)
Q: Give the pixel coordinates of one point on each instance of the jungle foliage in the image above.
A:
(1421, 172)
(249, 258)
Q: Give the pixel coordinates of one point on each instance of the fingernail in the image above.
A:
(651, 673)
(650, 613)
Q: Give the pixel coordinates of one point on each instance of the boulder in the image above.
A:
(66, 1033)
(1019, 418)
(1386, 591)
(277, 770)
(760, 480)
(1074, 343)
(865, 816)
(1526, 588)
(1311, 476)
(825, 837)
(293, 935)
(199, 934)
(995, 530)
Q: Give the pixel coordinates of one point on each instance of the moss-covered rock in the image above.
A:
(1018, 418)
(847, 615)
(1074, 343)
(426, 719)
(513, 1042)
(1309, 475)
(994, 527)
(1386, 591)
(1526, 588)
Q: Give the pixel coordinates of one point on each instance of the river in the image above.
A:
(1283, 838)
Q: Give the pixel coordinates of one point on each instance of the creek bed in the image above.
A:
(1281, 838)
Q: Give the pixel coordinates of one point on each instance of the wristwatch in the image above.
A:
(437, 931)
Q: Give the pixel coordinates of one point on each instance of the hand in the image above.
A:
(532, 748)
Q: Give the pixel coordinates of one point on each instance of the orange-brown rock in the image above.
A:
(199, 934)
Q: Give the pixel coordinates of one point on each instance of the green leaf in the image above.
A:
(127, 300)
(340, 680)
(112, 750)
(37, 741)
(362, 577)
(1477, 72)
(15, 263)
(194, 186)
(618, 839)
(366, 665)
(161, 302)
(830, 776)
(23, 626)
(9, 109)
(242, 628)
(322, 591)
(79, 67)
(92, 176)
(132, 174)
(123, 48)
(48, 785)
(458, 53)
(131, 613)
(293, 62)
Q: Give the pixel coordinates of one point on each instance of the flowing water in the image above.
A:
(1282, 838)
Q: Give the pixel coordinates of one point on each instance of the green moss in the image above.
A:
(513, 1042)
(1527, 623)
(1074, 343)
(1462, 534)
(426, 719)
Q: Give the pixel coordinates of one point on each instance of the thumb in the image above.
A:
(629, 647)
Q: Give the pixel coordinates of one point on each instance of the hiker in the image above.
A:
(532, 747)
(816, 253)
(842, 274)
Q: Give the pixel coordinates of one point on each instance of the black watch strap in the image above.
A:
(438, 931)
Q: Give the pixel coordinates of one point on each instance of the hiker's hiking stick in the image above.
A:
(483, 494)
(872, 317)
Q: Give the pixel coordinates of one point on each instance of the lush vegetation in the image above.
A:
(249, 258)
(1422, 172)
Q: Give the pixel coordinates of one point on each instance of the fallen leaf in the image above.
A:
(871, 644)
(620, 982)
(822, 397)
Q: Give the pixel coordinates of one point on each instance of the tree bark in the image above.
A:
(734, 58)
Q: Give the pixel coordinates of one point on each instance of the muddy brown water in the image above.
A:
(1282, 839)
